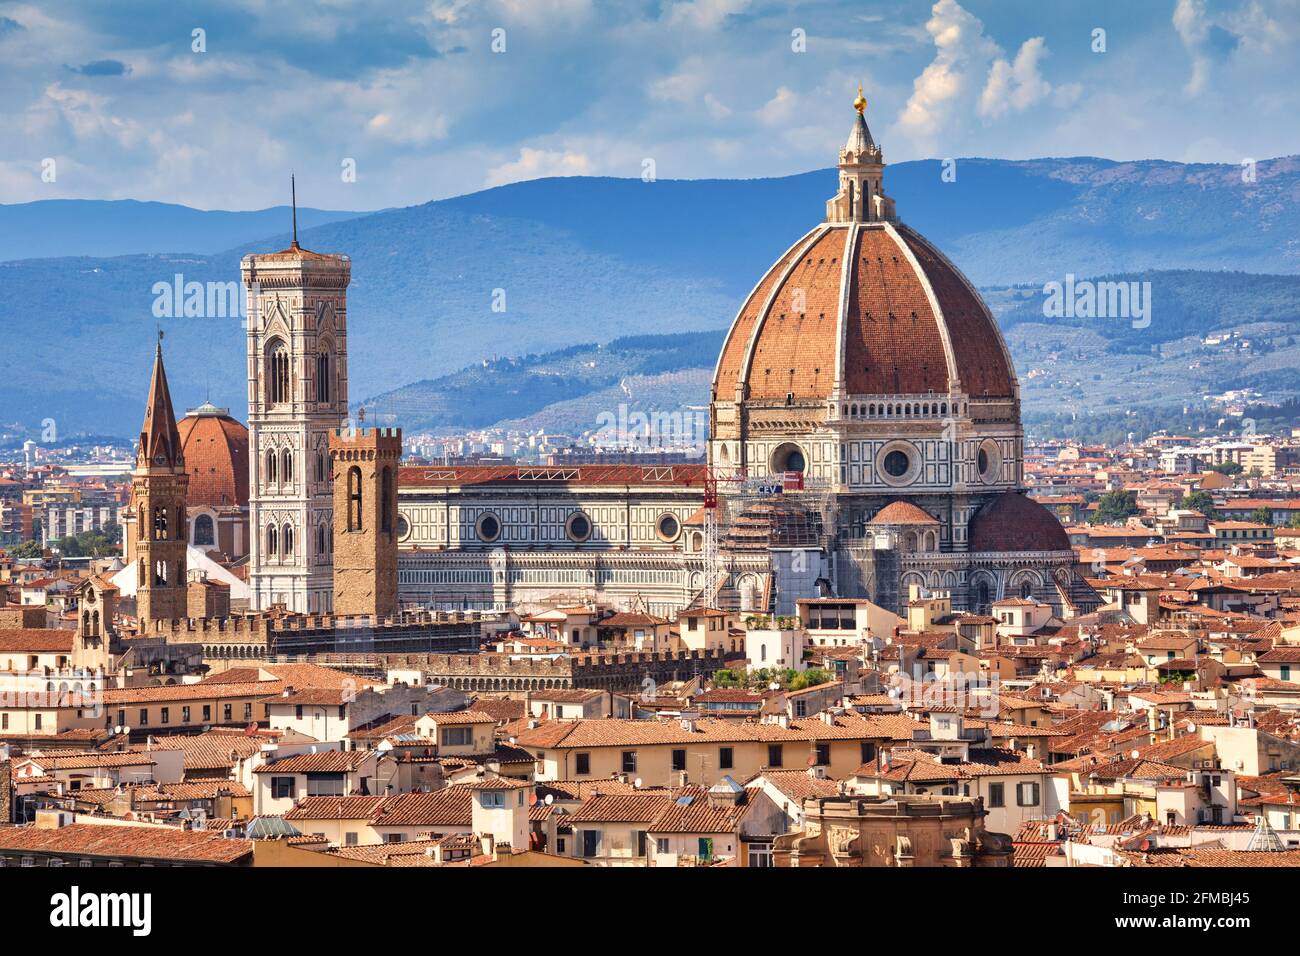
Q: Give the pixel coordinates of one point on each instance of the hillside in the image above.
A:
(592, 260)
(1069, 368)
(95, 227)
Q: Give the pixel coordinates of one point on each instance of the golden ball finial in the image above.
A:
(860, 104)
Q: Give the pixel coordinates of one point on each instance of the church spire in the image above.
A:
(160, 442)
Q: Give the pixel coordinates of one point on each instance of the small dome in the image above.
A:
(215, 448)
(902, 512)
(1012, 522)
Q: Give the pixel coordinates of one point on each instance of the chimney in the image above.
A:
(682, 778)
(487, 845)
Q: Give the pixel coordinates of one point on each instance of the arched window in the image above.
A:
(271, 540)
(160, 524)
(323, 380)
(354, 498)
(286, 541)
(286, 468)
(320, 466)
(386, 504)
(160, 572)
(321, 547)
(277, 374)
(271, 463)
(204, 533)
(1026, 589)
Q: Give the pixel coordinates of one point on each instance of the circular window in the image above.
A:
(488, 527)
(668, 527)
(989, 461)
(578, 527)
(788, 457)
(403, 527)
(897, 463)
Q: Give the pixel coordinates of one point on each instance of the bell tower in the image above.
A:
(297, 397)
(158, 486)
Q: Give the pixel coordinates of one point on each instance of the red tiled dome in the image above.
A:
(901, 319)
(1013, 522)
(215, 447)
(902, 512)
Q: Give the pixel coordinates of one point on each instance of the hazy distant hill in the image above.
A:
(94, 227)
(1068, 366)
(591, 260)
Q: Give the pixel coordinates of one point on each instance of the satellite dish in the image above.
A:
(117, 729)
(774, 686)
(1135, 755)
(550, 798)
(1191, 728)
(637, 783)
(125, 729)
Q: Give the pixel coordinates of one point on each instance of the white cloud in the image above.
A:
(1018, 85)
(539, 163)
(962, 53)
(1189, 20)
(705, 14)
(781, 108)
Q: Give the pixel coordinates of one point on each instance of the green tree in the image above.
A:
(1262, 515)
(813, 677)
(1201, 501)
(1115, 506)
(1226, 468)
(27, 549)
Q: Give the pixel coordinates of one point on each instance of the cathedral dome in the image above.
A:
(215, 448)
(1013, 522)
(862, 305)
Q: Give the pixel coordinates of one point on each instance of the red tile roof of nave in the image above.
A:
(683, 476)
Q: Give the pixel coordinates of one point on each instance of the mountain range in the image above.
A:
(509, 291)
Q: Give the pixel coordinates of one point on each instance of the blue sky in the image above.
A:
(414, 93)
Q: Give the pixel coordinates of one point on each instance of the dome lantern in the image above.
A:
(861, 197)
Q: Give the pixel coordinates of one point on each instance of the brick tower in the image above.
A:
(158, 486)
(364, 466)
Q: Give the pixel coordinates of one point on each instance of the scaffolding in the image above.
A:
(747, 514)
